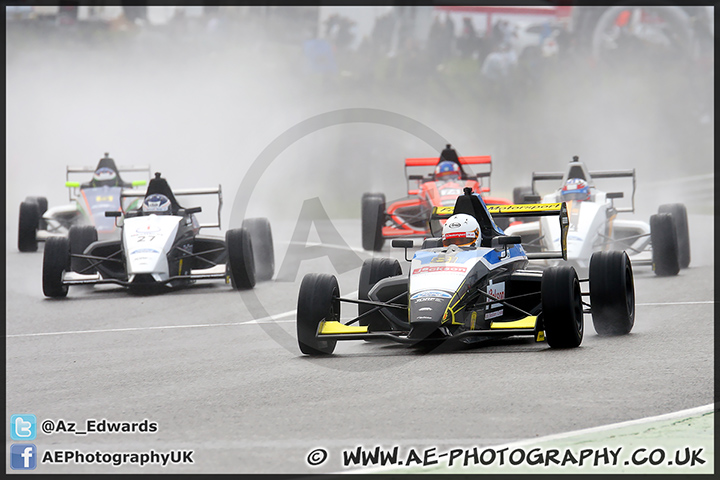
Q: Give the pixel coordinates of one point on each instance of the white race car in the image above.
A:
(160, 245)
(663, 243)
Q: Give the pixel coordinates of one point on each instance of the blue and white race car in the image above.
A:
(470, 290)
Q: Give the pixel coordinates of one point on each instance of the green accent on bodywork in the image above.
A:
(137, 183)
(72, 184)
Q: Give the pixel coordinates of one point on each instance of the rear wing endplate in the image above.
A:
(185, 192)
(523, 210)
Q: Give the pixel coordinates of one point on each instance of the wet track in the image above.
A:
(235, 390)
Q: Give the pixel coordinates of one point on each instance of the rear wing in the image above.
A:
(522, 210)
(433, 161)
(74, 186)
(185, 192)
(589, 176)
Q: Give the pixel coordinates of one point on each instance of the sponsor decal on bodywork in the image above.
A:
(440, 268)
(144, 250)
(430, 293)
(496, 290)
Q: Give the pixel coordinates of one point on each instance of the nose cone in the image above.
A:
(426, 312)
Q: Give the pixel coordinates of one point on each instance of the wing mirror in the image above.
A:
(118, 217)
(501, 242)
(398, 243)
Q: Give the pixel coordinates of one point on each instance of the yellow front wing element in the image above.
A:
(334, 327)
(527, 322)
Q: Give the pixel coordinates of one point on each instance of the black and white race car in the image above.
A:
(467, 293)
(160, 245)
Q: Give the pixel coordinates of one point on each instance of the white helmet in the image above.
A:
(462, 230)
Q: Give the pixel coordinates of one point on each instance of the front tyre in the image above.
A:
(27, 227)
(241, 264)
(612, 293)
(56, 261)
(263, 251)
(562, 308)
(80, 237)
(665, 257)
(372, 214)
(373, 270)
(317, 303)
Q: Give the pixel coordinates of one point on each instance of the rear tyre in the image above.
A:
(263, 250)
(372, 214)
(373, 270)
(316, 303)
(56, 261)
(27, 227)
(562, 308)
(665, 258)
(80, 236)
(241, 264)
(612, 293)
(679, 213)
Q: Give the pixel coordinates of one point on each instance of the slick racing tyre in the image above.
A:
(374, 270)
(27, 227)
(80, 237)
(372, 214)
(42, 208)
(562, 308)
(612, 293)
(679, 213)
(263, 250)
(663, 238)
(315, 305)
(56, 261)
(241, 264)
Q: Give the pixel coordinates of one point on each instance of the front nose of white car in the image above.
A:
(148, 239)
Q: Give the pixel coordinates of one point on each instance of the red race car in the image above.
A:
(409, 216)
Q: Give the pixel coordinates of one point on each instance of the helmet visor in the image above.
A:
(575, 195)
(460, 239)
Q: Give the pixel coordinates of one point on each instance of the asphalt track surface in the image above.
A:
(229, 384)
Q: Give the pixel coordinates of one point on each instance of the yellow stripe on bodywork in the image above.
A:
(523, 208)
(443, 211)
(334, 327)
(527, 322)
